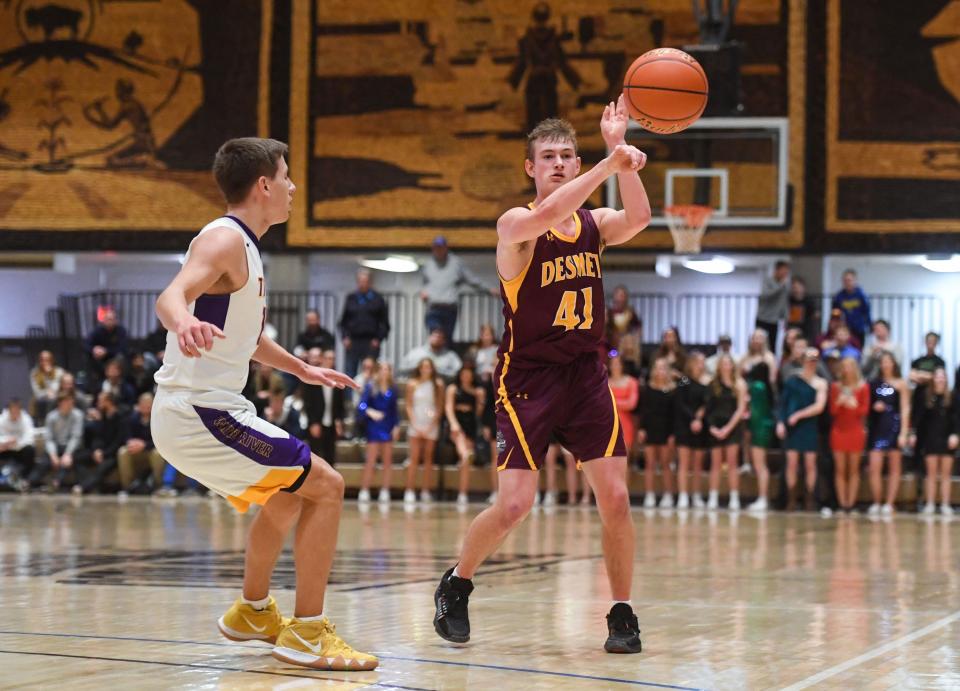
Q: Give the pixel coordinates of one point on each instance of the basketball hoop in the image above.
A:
(687, 222)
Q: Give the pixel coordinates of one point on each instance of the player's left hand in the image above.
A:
(327, 377)
(613, 124)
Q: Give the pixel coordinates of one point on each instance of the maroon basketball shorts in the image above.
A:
(572, 402)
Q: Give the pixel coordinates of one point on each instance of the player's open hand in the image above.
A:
(327, 377)
(195, 336)
(626, 159)
(613, 124)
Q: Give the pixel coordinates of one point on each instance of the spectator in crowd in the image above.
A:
(114, 383)
(169, 489)
(622, 321)
(463, 405)
(105, 436)
(689, 431)
(855, 306)
(263, 379)
(63, 436)
(922, 369)
(378, 406)
(485, 352)
(154, 346)
(286, 411)
(840, 346)
(921, 373)
(789, 338)
(725, 408)
(368, 368)
(488, 428)
(17, 454)
(657, 430)
(802, 399)
(879, 344)
(68, 386)
(570, 471)
(312, 336)
(45, 380)
(324, 408)
(794, 365)
(758, 353)
(424, 401)
(828, 339)
(364, 324)
(724, 347)
(760, 423)
(889, 417)
(934, 422)
(107, 342)
(772, 304)
(849, 405)
(626, 395)
(443, 275)
(138, 454)
(445, 361)
(671, 350)
(139, 375)
(802, 310)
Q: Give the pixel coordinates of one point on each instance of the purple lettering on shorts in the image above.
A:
(212, 309)
(252, 443)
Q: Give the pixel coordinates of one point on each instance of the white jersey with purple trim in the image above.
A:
(240, 315)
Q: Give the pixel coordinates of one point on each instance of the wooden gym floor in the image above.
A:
(99, 594)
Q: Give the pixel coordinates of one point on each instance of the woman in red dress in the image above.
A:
(849, 405)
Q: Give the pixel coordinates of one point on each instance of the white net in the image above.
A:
(687, 225)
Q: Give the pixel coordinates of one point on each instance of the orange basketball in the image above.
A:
(665, 90)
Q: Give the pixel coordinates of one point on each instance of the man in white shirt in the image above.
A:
(724, 347)
(443, 274)
(17, 454)
(446, 361)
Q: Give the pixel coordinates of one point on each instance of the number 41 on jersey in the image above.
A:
(567, 316)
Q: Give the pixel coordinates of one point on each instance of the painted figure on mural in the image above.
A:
(540, 57)
(142, 150)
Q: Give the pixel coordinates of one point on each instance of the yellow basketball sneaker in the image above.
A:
(316, 644)
(242, 622)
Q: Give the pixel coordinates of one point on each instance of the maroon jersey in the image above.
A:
(553, 311)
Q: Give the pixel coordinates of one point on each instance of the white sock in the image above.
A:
(257, 604)
(623, 602)
(455, 572)
(316, 618)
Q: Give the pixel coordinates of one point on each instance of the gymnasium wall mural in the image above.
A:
(893, 117)
(407, 119)
(412, 115)
(111, 110)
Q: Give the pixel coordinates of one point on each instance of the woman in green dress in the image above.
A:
(761, 426)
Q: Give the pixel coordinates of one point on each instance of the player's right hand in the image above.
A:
(626, 159)
(194, 335)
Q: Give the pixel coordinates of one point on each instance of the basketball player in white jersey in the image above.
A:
(215, 310)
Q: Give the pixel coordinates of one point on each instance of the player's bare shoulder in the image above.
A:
(223, 249)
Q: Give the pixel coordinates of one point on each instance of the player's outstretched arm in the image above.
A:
(212, 255)
(617, 227)
(269, 352)
(522, 225)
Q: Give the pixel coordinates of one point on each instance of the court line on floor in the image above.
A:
(634, 682)
(876, 652)
(363, 684)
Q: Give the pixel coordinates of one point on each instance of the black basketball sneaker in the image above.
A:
(624, 630)
(451, 620)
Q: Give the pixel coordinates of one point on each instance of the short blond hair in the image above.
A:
(551, 130)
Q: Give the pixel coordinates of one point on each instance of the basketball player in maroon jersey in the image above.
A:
(550, 379)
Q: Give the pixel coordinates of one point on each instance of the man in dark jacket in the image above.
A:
(107, 341)
(106, 435)
(312, 336)
(324, 408)
(364, 324)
